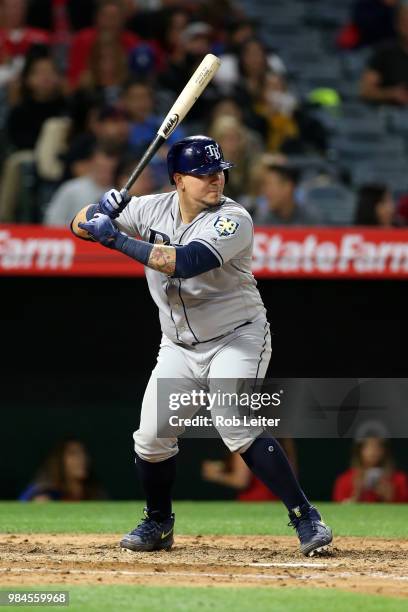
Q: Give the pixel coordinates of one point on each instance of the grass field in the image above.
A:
(179, 599)
(214, 518)
(354, 523)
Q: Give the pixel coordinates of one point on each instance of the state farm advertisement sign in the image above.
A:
(41, 251)
(331, 253)
(278, 253)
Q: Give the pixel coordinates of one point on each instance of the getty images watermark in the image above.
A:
(222, 402)
(289, 407)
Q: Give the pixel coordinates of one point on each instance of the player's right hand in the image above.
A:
(112, 203)
(101, 228)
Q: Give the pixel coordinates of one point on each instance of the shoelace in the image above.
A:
(302, 525)
(147, 525)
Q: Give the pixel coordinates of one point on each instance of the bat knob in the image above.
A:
(125, 196)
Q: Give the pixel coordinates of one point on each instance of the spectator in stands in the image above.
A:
(238, 31)
(372, 476)
(277, 105)
(385, 79)
(197, 42)
(139, 105)
(234, 473)
(277, 204)
(245, 56)
(218, 12)
(252, 67)
(65, 143)
(165, 26)
(45, 13)
(106, 72)
(144, 185)
(88, 125)
(375, 206)
(87, 188)
(65, 476)
(259, 168)
(151, 20)
(240, 147)
(227, 106)
(107, 124)
(111, 128)
(372, 22)
(257, 73)
(109, 26)
(16, 38)
(41, 98)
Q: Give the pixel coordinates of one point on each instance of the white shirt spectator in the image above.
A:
(227, 75)
(69, 197)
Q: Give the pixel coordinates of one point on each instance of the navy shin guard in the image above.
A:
(157, 480)
(267, 460)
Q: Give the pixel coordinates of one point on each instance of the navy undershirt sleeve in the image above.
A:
(194, 259)
(191, 260)
(136, 249)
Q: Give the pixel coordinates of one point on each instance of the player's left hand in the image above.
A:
(101, 228)
(113, 202)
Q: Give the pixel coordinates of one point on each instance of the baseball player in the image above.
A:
(197, 245)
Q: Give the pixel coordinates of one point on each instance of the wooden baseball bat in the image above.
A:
(191, 92)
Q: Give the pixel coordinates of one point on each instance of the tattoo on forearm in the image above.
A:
(163, 259)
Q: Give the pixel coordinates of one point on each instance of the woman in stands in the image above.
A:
(375, 206)
(372, 476)
(66, 475)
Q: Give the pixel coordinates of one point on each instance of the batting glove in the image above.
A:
(113, 202)
(101, 228)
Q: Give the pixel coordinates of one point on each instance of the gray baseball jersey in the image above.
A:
(212, 304)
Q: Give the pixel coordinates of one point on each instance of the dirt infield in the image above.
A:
(355, 564)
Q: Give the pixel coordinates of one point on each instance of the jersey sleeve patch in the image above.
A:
(225, 226)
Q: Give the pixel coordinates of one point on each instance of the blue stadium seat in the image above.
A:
(300, 40)
(354, 62)
(327, 15)
(349, 90)
(395, 178)
(334, 203)
(347, 150)
(362, 128)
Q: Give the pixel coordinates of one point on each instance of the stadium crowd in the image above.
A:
(66, 474)
(310, 103)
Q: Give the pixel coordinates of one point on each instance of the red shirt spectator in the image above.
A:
(15, 37)
(18, 42)
(108, 26)
(82, 45)
(256, 491)
(345, 488)
(372, 477)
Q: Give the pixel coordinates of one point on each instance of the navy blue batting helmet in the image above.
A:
(197, 155)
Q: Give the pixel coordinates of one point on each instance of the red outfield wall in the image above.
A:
(278, 253)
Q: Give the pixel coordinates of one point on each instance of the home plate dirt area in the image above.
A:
(368, 565)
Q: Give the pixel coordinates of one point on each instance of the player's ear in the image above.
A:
(179, 181)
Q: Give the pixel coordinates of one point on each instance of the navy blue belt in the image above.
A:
(222, 335)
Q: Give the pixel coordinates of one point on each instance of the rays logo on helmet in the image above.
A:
(225, 226)
(213, 150)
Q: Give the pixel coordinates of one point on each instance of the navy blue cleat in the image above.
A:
(150, 534)
(313, 534)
